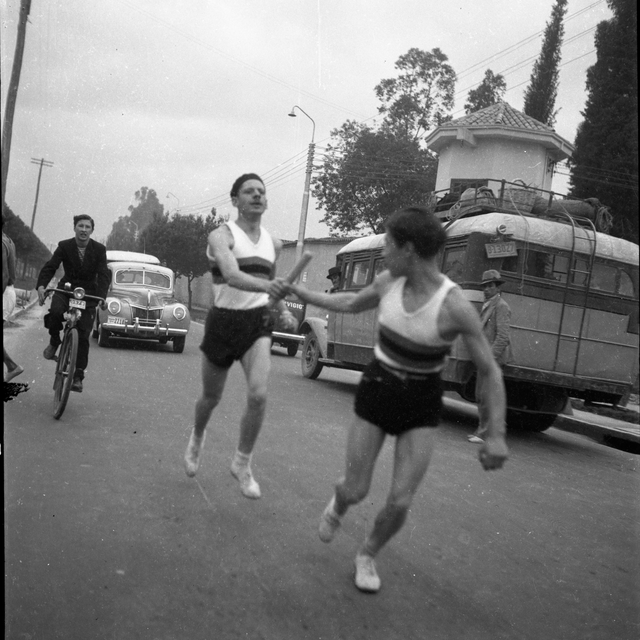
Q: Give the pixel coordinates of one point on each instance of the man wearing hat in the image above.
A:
(496, 323)
(334, 276)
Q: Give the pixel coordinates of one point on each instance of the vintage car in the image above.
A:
(290, 341)
(141, 304)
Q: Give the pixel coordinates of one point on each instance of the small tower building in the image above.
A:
(500, 143)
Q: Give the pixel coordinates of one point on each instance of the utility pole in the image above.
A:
(307, 182)
(42, 162)
(12, 94)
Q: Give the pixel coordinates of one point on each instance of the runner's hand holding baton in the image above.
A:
(281, 289)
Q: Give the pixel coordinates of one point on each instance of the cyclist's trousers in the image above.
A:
(55, 321)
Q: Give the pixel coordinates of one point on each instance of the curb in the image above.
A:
(598, 432)
(18, 312)
(590, 425)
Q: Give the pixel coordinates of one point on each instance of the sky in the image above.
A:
(183, 96)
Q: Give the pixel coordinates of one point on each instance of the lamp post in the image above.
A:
(307, 183)
(176, 197)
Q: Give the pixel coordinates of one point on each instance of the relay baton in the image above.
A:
(297, 269)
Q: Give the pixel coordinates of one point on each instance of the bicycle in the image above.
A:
(66, 359)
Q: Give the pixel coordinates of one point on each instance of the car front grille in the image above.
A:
(146, 316)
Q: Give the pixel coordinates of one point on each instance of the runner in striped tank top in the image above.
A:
(242, 255)
(420, 313)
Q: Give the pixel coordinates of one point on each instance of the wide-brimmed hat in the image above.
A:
(492, 275)
(334, 271)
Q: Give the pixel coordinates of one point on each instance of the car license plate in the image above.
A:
(116, 320)
(501, 249)
(78, 304)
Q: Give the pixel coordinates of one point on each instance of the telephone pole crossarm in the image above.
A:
(43, 163)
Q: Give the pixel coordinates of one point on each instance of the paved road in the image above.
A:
(106, 537)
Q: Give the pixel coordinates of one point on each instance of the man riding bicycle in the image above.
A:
(85, 265)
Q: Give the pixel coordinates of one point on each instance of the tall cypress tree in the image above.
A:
(605, 162)
(540, 95)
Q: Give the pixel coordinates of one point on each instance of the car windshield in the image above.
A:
(143, 278)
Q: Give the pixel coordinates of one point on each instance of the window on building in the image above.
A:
(459, 185)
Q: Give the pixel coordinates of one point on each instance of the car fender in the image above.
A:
(319, 327)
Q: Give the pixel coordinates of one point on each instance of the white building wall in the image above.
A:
(491, 158)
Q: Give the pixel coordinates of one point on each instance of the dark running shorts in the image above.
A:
(230, 333)
(396, 405)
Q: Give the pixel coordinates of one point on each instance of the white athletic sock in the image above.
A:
(242, 459)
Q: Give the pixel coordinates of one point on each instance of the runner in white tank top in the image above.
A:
(242, 256)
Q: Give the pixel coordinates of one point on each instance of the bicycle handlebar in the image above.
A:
(70, 292)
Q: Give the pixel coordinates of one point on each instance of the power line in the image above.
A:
(281, 173)
(518, 45)
(621, 185)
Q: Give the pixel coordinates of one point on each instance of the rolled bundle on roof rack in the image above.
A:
(591, 208)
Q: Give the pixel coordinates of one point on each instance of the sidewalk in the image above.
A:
(600, 427)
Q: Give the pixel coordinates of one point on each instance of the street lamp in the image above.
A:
(176, 197)
(307, 183)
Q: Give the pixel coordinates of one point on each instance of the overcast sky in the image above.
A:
(183, 96)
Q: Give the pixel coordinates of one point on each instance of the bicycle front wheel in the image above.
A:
(64, 372)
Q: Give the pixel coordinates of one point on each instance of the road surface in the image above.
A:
(106, 537)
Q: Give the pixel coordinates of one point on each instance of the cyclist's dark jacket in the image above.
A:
(92, 274)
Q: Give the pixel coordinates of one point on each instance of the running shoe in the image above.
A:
(192, 456)
(329, 522)
(475, 439)
(249, 487)
(366, 577)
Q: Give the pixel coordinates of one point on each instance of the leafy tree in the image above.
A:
(146, 206)
(123, 235)
(490, 91)
(367, 174)
(422, 95)
(540, 95)
(126, 229)
(605, 162)
(180, 242)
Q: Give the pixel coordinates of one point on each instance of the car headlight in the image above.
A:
(179, 312)
(78, 293)
(114, 306)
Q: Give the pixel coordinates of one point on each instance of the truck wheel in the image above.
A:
(292, 349)
(103, 337)
(311, 365)
(178, 344)
(537, 422)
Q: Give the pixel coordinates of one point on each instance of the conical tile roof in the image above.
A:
(499, 114)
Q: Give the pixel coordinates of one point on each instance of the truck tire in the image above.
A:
(526, 421)
(310, 361)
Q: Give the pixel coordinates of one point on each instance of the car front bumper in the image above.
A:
(137, 330)
(289, 337)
